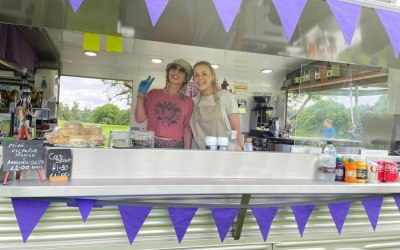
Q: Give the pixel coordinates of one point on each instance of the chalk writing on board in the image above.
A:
(58, 162)
(23, 155)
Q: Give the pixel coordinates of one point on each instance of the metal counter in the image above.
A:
(116, 172)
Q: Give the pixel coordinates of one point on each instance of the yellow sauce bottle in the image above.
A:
(362, 170)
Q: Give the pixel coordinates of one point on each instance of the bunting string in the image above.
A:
(29, 211)
(104, 203)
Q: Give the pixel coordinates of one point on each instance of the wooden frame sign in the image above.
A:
(22, 155)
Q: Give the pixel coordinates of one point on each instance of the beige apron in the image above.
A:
(207, 121)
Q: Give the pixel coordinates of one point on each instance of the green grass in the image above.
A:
(106, 128)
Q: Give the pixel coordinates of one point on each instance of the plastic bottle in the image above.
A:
(329, 162)
(362, 170)
(248, 144)
(339, 172)
(350, 175)
(232, 144)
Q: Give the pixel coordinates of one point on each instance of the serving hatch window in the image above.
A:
(353, 101)
(96, 102)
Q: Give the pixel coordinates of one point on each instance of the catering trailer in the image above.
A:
(272, 198)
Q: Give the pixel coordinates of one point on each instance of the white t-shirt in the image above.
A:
(227, 101)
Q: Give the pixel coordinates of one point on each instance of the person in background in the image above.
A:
(216, 111)
(167, 110)
(329, 131)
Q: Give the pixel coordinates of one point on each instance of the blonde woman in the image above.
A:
(216, 111)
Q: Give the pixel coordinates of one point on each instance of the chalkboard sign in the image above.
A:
(20, 155)
(58, 162)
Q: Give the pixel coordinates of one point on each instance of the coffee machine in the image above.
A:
(262, 122)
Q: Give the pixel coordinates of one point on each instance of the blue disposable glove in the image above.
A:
(145, 85)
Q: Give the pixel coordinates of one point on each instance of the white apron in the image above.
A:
(207, 121)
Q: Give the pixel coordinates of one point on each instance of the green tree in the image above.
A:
(381, 106)
(106, 114)
(86, 115)
(123, 117)
(310, 121)
(64, 112)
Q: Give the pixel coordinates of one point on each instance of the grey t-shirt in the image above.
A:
(227, 100)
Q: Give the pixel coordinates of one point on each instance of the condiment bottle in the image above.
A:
(350, 175)
(339, 171)
(362, 170)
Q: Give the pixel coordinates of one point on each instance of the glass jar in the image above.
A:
(141, 139)
(119, 139)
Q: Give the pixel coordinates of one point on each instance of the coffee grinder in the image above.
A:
(261, 113)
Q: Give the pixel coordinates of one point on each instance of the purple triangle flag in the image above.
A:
(227, 11)
(346, 15)
(390, 21)
(289, 12)
(133, 218)
(339, 213)
(28, 214)
(373, 208)
(302, 214)
(264, 217)
(75, 4)
(156, 8)
(181, 218)
(396, 198)
(85, 206)
(224, 218)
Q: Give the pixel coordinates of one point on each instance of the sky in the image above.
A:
(88, 92)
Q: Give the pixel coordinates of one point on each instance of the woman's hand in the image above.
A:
(145, 85)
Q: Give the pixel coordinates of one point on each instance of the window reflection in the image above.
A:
(350, 106)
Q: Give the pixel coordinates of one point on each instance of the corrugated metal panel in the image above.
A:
(62, 227)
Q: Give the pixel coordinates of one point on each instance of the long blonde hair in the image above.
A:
(214, 83)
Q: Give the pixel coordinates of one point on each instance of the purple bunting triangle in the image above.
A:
(390, 21)
(227, 11)
(181, 218)
(346, 15)
(373, 208)
(289, 12)
(396, 198)
(223, 218)
(85, 206)
(28, 214)
(302, 214)
(133, 219)
(339, 213)
(75, 4)
(264, 217)
(155, 8)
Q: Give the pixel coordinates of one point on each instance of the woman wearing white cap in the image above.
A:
(167, 110)
(216, 111)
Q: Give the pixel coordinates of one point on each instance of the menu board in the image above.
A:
(58, 162)
(20, 155)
